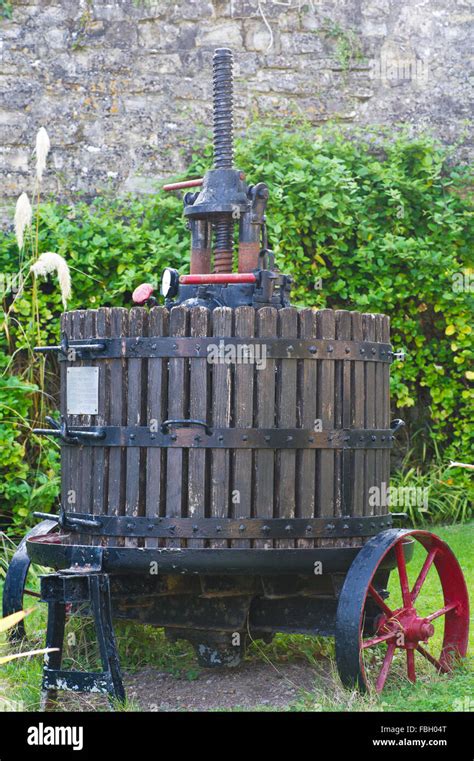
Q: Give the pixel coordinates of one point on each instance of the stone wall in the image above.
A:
(124, 86)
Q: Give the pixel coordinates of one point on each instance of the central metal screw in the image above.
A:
(223, 103)
(223, 151)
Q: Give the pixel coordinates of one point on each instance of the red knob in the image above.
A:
(142, 293)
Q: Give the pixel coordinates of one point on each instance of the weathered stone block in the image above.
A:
(220, 33)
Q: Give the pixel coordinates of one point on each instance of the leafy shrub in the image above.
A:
(375, 223)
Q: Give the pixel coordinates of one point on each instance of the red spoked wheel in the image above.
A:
(394, 626)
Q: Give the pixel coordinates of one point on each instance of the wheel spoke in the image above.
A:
(431, 659)
(423, 574)
(379, 600)
(377, 640)
(387, 662)
(411, 665)
(442, 611)
(402, 572)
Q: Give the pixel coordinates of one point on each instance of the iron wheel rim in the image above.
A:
(403, 627)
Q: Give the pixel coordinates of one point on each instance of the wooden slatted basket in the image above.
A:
(224, 483)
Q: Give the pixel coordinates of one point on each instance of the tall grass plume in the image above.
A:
(50, 263)
(23, 217)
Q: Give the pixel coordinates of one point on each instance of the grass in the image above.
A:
(142, 646)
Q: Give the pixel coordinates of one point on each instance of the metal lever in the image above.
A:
(65, 347)
(69, 522)
(184, 184)
(61, 431)
(185, 423)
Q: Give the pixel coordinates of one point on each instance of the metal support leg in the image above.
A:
(58, 590)
(54, 639)
(101, 608)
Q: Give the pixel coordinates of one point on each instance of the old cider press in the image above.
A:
(217, 456)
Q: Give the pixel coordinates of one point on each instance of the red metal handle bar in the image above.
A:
(220, 277)
(184, 184)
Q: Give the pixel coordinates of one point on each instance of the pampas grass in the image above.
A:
(50, 263)
(23, 217)
(41, 150)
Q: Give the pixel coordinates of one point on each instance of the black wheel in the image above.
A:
(15, 580)
(379, 633)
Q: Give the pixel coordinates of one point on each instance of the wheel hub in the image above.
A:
(407, 627)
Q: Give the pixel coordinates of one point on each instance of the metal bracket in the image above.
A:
(232, 438)
(174, 347)
(232, 528)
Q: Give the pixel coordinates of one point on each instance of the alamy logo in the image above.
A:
(237, 354)
(399, 496)
(45, 735)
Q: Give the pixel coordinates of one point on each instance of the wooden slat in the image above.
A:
(343, 478)
(243, 407)
(199, 394)
(88, 331)
(77, 325)
(76, 453)
(176, 459)
(385, 418)
(66, 327)
(157, 376)
(285, 492)
(117, 416)
(265, 418)
(368, 332)
(325, 322)
(134, 455)
(379, 410)
(100, 455)
(221, 416)
(358, 420)
(307, 395)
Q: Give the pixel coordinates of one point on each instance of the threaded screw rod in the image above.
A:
(223, 151)
(223, 244)
(223, 106)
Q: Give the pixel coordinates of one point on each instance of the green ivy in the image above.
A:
(375, 223)
(6, 9)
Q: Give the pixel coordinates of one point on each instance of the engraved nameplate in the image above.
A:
(82, 391)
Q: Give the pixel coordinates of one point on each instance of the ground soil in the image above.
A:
(251, 685)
